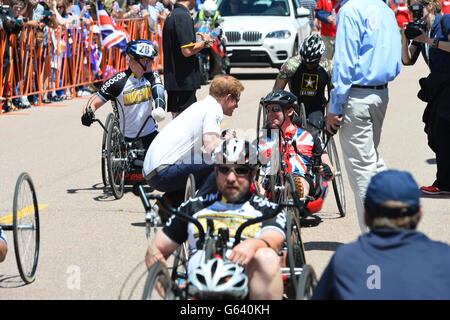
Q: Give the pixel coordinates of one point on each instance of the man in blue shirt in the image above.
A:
(393, 260)
(367, 57)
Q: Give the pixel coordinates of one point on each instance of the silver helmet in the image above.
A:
(217, 277)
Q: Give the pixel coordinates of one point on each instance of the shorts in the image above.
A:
(177, 101)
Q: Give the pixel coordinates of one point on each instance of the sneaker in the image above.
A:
(5, 107)
(79, 93)
(431, 190)
(25, 102)
(85, 93)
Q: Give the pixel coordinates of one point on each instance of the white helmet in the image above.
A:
(218, 277)
(210, 6)
(236, 151)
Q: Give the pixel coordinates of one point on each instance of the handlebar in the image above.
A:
(148, 196)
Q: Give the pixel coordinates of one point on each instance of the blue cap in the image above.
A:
(393, 185)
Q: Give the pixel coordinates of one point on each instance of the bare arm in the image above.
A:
(407, 51)
(163, 248)
(210, 142)
(97, 103)
(246, 250)
(280, 84)
(198, 46)
(3, 250)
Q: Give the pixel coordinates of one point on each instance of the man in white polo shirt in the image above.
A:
(185, 145)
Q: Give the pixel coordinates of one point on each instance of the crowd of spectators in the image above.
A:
(47, 30)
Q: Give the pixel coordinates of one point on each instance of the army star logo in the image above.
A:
(310, 81)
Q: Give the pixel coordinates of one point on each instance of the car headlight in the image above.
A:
(282, 34)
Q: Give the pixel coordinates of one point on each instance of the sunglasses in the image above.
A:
(238, 171)
(276, 108)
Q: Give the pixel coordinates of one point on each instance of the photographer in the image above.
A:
(431, 34)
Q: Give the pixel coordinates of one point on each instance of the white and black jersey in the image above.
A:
(131, 99)
(224, 215)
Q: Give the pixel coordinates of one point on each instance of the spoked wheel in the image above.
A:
(189, 192)
(104, 151)
(295, 250)
(26, 227)
(306, 283)
(115, 159)
(179, 269)
(338, 181)
(158, 285)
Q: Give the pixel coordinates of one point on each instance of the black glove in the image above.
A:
(327, 170)
(88, 118)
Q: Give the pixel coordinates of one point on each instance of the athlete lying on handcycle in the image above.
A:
(233, 205)
(304, 155)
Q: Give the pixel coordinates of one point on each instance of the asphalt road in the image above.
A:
(92, 246)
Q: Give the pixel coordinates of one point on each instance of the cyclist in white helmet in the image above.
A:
(235, 167)
(308, 78)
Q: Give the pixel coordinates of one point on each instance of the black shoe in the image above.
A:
(5, 107)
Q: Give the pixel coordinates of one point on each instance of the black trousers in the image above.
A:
(439, 141)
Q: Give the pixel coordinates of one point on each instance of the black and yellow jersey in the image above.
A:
(131, 99)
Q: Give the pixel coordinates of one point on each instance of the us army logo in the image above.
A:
(309, 84)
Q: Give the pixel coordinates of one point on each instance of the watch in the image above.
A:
(435, 43)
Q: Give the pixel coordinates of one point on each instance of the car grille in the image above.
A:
(233, 36)
(247, 36)
(252, 36)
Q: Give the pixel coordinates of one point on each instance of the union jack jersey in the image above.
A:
(299, 163)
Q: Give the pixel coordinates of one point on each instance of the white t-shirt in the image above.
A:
(182, 138)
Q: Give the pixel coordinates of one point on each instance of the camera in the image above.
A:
(415, 28)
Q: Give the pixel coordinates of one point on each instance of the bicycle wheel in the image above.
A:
(104, 151)
(338, 181)
(26, 227)
(189, 191)
(306, 283)
(115, 159)
(158, 285)
(295, 249)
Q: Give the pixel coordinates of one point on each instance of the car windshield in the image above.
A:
(254, 8)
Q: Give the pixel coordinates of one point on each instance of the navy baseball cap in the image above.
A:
(392, 185)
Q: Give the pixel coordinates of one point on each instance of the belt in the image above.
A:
(157, 170)
(381, 86)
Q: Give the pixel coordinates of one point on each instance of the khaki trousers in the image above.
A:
(363, 116)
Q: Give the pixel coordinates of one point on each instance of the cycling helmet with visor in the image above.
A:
(312, 48)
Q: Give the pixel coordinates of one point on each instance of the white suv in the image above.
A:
(263, 33)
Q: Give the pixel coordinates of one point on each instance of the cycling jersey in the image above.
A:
(131, 99)
(297, 163)
(307, 85)
(3, 236)
(225, 215)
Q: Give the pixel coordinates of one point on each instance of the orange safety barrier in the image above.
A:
(66, 59)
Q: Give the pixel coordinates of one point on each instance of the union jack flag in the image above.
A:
(112, 34)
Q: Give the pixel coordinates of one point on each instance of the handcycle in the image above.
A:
(330, 147)
(25, 227)
(119, 157)
(161, 285)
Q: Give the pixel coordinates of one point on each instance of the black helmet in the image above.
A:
(285, 98)
(140, 49)
(312, 48)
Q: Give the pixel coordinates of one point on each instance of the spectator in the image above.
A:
(326, 13)
(445, 6)
(367, 58)
(181, 68)
(402, 13)
(393, 260)
(311, 6)
(435, 49)
(168, 4)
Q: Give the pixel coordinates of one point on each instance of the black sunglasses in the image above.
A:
(276, 108)
(239, 171)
